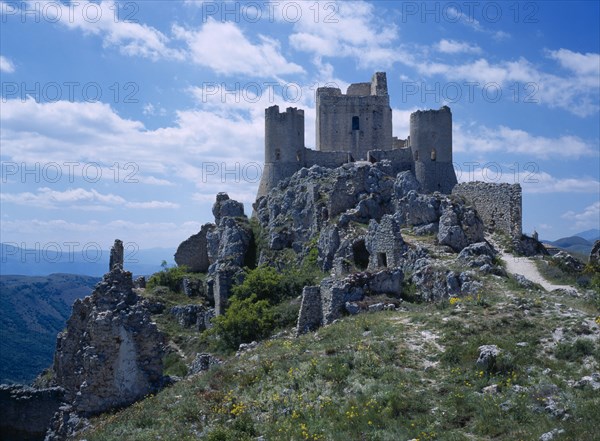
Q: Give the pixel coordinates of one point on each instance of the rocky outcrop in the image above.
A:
(459, 225)
(228, 247)
(110, 354)
(116, 255)
(27, 412)
(65, 424)
(566, 260)
(221, 249)
(193, 316)
(595, 254)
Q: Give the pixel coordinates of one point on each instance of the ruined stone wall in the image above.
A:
(26, 412)
(401, 159)
(310, 316)
(498, 205)
(325, 159)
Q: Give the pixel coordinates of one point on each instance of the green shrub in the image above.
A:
(263, 282)
(169, 277)
(173, 364)
(574, 351)
(245, 320)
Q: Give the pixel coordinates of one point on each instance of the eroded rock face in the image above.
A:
(569, 261)
(595, 253)
(459, 226)
(110, 354)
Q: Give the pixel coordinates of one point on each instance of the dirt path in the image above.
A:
(525, 267)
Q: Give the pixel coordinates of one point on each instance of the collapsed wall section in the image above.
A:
(498, 205)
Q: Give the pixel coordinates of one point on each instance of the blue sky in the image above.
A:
(123, 120)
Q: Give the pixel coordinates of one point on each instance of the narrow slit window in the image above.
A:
(355, 123)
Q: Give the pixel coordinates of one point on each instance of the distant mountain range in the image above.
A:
(580, 244)
(33, 310)
(91, 262)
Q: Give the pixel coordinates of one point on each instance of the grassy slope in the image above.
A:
(394, 376)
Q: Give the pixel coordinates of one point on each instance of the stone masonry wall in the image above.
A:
(498, 205)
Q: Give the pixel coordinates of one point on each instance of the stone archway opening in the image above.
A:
(360, 254)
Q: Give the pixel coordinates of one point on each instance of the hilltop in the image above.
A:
(409, 373)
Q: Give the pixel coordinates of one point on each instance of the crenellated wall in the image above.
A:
(357, 126)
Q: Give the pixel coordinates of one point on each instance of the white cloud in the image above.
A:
(581, 64)
(506, 139)
(456, 47)
(6, 65)
(223, 47)
(101, 19)
(588, 218)
(576, 92)
(352, 30)
(77, 198)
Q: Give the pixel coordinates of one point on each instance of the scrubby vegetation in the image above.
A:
(392, 375)
(266, 300)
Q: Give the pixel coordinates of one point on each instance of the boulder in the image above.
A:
(487, 356)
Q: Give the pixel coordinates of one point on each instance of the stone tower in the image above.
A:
(355, 122)
(284, 146)
(431, 147)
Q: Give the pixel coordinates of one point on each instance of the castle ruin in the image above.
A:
(357, 126)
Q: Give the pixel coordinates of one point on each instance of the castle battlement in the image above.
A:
(357, 126)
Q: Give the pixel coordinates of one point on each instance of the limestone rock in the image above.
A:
(459, 226)
(487, 356)
(110, 354)
(116, 255)
(418, 209)
(193, 316)
(595, 253)
(352, 308)
(524, 281)
(569, 261)
(405, 182)
(477, 255)
(27, 412)
(139, 282)
(225, 207)
(66, 424)
(229, 242)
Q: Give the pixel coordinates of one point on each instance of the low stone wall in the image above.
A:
(498, 205)
(26, 412)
